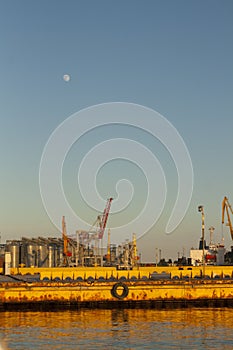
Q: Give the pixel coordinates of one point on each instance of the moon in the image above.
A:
(66, 77)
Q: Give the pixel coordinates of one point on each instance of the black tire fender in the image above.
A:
(115, 290)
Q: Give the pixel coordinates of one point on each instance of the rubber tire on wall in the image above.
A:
(115, 293)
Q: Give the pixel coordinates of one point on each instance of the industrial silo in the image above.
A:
(42, 255)
(14, 249)
(31, 255)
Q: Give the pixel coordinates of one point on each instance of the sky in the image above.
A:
(174, 57)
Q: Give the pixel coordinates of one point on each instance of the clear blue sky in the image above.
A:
(172, 56)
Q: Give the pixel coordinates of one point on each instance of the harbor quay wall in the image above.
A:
(138, 272)
(65, 287)
(113, 293)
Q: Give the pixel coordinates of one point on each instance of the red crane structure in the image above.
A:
(104, 219)
(96, 231)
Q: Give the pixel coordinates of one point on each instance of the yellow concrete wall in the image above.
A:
(102, 291)
(107, 272)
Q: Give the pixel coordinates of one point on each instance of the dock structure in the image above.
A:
(109, 287)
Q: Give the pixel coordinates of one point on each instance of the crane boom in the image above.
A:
(100, 223)
(226, 207)
(104, 220)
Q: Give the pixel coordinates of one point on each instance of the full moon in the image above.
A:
(66, 77)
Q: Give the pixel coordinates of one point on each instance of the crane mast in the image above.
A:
(108, 257)
(226, 207)
(65, 240)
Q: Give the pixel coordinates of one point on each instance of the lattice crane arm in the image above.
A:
(104, 220)
(226, 207)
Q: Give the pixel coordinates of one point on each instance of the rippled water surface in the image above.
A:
(118, 329)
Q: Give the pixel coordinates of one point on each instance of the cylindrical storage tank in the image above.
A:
(14, 250)
(61, 255)
(7, 264)
(15, 255)
(23, 255)
(59, 261)
(56, 255)
(42, 255)
(51, 256)
(31, 255)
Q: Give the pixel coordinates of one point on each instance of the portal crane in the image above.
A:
(226, 207)
(100, 224)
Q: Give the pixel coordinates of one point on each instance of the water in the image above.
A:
(118, 329)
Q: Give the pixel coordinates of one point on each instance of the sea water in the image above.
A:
(190, 328)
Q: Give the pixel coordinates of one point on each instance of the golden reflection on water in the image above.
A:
(118, 329)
